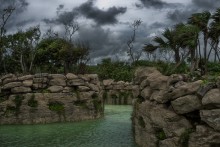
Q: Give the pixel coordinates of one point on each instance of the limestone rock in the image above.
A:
(57, 82)
(211, 117)
(175, 78)
(142, 73)
(135, 91)
(40, 80)
(204, 137)
(144, 83)
(204, 89)
(186, 104)
(157, 81)
(9, 80)
(212, 98)
(108, 82)
(146, 93)
(39, 85)
(55, 89)
(170, 142)
(12, 85)
(187, 89)
(26, 77)
(83, 88)
(56, 76)
(158, 96)
(71, 76)
(21, 89)
(27, 83)
(7, 76)
(67, 89)
(76, 82)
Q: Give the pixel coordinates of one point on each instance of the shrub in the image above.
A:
(56, 106)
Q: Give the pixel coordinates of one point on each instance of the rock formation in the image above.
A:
(47, 98)
(171, 111)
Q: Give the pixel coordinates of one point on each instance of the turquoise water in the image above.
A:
(114, 130)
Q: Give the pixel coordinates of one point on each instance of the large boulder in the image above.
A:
(55, 89)
(212, 98)
(27, 83)
(12, 85)
(146, 93)
(157, 81)
(21, 89)
(26, 77)
(211, 117)
(71, 76)
(186, 104)
(58, 82)
(142, 73)
(186, 89)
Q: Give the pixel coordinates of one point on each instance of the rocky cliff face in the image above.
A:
(173, 112)
(47, 98)
(117, 93)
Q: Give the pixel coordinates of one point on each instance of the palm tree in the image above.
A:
(187, 35)
(201, 20)
(169, 41)
(214, 33)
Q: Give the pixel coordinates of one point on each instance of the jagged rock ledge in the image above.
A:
(170, 111)
(48, 98)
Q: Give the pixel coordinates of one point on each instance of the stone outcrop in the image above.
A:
(47, 98)
(117, 93)
(174, 111)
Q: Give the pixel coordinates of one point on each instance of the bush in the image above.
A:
(56, 106)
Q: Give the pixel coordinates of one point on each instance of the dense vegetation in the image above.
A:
(193, 47)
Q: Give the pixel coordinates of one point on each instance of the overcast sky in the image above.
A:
(105, 23)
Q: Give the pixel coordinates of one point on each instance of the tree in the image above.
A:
(21, 47)
(5, 15)
(201, 20)
(57, 53)
(134, 55)
(214, 34)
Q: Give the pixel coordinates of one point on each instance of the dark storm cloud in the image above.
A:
(157, 4)
(180, 15)
(99, 16)
(206, 4)
(19, 5)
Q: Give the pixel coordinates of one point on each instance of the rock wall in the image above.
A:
(117, 93)
(47, 98)
(174, 112)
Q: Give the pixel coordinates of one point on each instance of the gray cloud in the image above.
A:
(206, 4)
(19, 5)
(99, 16)
(157, 4)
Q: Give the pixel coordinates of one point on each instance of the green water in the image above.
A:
(114, 130)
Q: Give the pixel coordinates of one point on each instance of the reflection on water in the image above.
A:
(114, 130)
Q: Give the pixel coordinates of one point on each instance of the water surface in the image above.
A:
(114, 130)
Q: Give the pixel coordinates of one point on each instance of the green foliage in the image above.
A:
(18, 101)
(56, 106)
(114, 70)
(214, 68)
(184, 138)
(141, 121)
(160, 134)
(32, 102)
